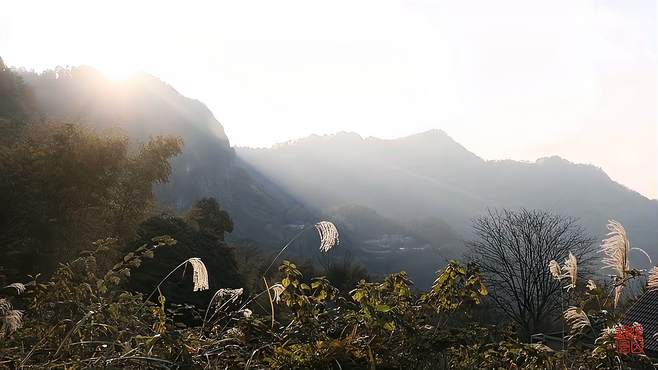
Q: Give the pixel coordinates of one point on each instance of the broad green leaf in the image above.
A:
(382, 308)
(390, 326)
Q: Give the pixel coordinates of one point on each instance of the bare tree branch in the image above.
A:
(513, 250)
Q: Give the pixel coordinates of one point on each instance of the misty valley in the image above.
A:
(135, 235)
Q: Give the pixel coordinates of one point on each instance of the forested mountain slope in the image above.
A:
(144, 106)
(431, 175)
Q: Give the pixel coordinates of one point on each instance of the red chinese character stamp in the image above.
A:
(630, 339)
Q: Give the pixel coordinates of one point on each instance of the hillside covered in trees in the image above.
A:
(144, 107)
(431, 176)
(132, 236)
(270, 192)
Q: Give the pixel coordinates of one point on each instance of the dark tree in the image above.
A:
(513, 250)
(64, 186)
(209, 218)
(218, 257)
(16, 100)
(345, 274)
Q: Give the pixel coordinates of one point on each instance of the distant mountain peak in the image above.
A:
(315, 139)
(342, 136)
(554, 159)
(430, 136)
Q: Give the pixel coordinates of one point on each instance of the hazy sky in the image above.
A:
(507, 79)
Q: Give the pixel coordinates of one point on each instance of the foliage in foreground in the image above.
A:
(84, 317)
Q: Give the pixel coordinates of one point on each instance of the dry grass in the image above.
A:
(11, 319)
(200, 274)
(277, 289)
(328, 235)
(577, 319)
(571, 270)
(554, 268)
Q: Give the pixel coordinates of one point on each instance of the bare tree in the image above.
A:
(513, 250)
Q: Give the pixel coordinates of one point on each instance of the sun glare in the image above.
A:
(117, 72)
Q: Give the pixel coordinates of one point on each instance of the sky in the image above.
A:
(507, 79)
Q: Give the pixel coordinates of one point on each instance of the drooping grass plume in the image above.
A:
(328, 239)
(617, 248)
(5, 306)
(554, 268)
(571, 270)
(199, 276)
(20, 287)
(277, 289)
(577, 319)
(10, 319)
(328, 235)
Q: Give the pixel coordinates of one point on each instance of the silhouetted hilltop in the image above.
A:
(144, 106)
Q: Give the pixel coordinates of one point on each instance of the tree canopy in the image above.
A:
(64, 186)
(209, 218)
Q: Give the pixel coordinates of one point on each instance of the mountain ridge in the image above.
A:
(315, 138)
(427, 184)
(429, 174)
(145, 106)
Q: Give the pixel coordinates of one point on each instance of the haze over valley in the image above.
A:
(397, 201)
(391, 185)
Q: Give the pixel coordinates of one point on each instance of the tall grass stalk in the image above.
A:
(199, 277)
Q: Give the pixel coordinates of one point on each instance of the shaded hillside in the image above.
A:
(431, 175)
(385, 245)
(218, 257)
(143, 107)
(16, 102)
(397, 178)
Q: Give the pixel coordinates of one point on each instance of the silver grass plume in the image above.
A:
(328, 235)
(20, 287)
(607, 335)
(10, 319)
(616, 248)
(277, 289)
(652, 280)
(231, 294)
(576, 319)
(554, 268)
(200, 274)
(571, 270)
(5, 306)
